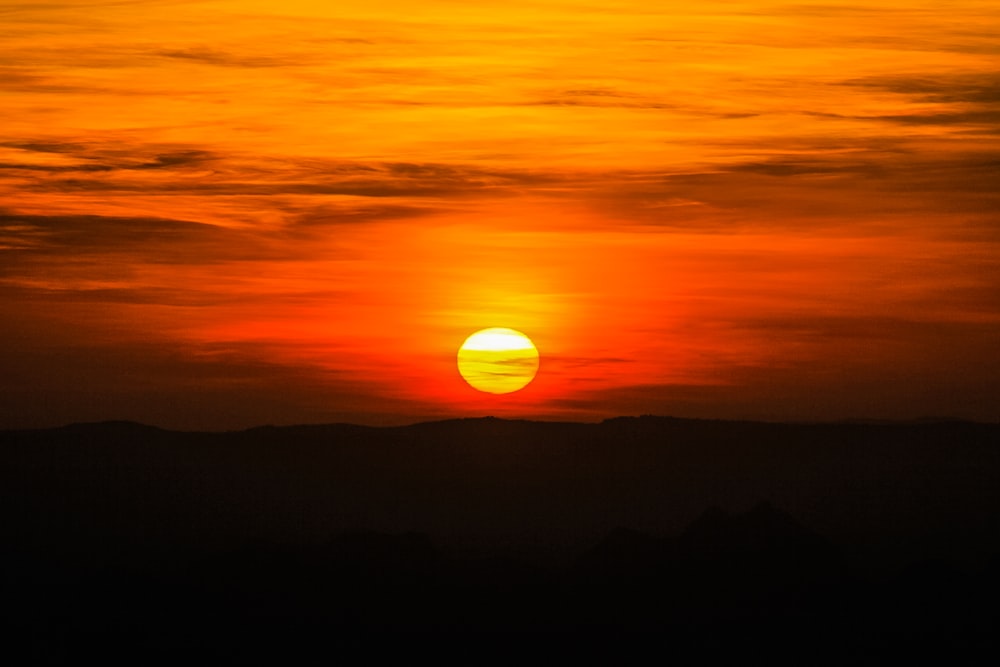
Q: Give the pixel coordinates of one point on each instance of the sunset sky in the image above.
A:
(217, 214)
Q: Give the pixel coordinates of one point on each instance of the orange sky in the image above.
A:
(221, 213)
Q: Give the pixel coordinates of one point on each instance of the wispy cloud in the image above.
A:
(157, 240)
(209, 56)
(740, 208)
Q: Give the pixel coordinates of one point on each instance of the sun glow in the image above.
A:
(498, 360)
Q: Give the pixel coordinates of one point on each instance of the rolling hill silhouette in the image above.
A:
(660, 532)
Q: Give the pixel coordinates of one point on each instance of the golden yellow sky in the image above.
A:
(215, 214)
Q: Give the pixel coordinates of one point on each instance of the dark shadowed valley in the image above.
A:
(872, 542)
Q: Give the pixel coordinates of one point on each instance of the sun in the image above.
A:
(498, 360)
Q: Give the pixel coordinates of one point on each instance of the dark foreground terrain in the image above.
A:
(476, 540)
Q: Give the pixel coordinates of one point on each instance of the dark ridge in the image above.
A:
(507, 487)
(760, 531)
(646, 422)
(664, 419)
(465, 422)
(110, 426)
(308, 429)
(907, 422)
(476, 534)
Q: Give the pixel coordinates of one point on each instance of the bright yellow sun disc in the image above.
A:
(498, 360)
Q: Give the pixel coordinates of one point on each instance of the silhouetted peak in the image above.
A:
(764, 513)
(763, 529)
(710, 526)
(712, 519)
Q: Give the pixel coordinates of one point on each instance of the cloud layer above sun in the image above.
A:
(220, 213)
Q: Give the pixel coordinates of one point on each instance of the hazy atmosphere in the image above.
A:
(218, 214)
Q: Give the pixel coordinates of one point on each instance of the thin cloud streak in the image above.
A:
(735, 209)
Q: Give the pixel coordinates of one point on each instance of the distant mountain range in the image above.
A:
(883, 492)
(610, 539)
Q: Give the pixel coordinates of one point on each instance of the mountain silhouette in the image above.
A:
(761, 532)
(631, 535)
